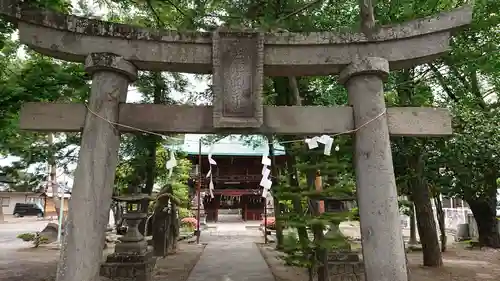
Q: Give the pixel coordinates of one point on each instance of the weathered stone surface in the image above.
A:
(383, 250)
(160, 232)
(119, 267)
(307, 120)
(86, 26)
(94, 179)
(50, 232)
(285, 54)
(365, 66)
(346, 271)
(109, 62)
(133, 242)
(337, 257)
(238, 66)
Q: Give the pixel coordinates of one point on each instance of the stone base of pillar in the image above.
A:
(129, 267)
(345, 266)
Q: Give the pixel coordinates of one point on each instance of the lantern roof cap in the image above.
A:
(132, 197)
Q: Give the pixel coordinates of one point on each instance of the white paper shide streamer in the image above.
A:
(312, 143)
(211, 162)
(171, 163)
(265, 182)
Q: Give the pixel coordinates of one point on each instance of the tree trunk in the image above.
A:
(413, 227)
(294, 184)
(485, 216)
(424, 214)
(321, 253)
(427, 228)
(152, 140)
(367, 15)
(440, 216)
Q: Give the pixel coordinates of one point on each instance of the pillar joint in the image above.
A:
(365, 66)
(110, 62)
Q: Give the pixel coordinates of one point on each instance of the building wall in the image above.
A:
(9, 200)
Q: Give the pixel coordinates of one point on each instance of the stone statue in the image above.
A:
(165, 222)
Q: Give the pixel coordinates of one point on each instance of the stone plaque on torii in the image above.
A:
(113, 53)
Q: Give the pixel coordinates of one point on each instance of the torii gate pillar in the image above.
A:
(95, 173)
(381, 237)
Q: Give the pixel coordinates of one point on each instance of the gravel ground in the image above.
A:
(35, 264)
(39, 264)
(459, 265)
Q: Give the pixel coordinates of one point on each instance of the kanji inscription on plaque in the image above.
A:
(238, 60)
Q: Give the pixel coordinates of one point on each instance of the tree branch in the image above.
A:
(475, 89)
(367, 15)
(292, 83)
(443, 83)
(159, 22)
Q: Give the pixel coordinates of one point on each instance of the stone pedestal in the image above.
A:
(132, 260)
(133, 242)
(346, 270)
(125, 267)
(342, 263)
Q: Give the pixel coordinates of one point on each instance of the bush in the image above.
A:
(36, 238)
(185, 213)
(27, 237)
(354, 214)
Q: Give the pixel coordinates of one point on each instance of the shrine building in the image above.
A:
(236, 176)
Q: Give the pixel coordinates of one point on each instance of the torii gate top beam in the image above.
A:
(72, 38)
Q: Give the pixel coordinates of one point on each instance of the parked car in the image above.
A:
(27, 209)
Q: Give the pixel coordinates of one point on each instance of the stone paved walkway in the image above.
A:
(231, 256)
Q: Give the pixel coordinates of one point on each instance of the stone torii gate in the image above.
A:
(113, 53)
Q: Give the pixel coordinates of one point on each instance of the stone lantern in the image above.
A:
(343, 264)
(132, 259)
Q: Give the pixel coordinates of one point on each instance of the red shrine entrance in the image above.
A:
(236, 179)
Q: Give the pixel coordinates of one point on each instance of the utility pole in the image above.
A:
(198, 194)
(52, 184)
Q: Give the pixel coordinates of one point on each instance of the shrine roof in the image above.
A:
(231, 145)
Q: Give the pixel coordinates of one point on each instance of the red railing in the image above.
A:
(234, 192)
